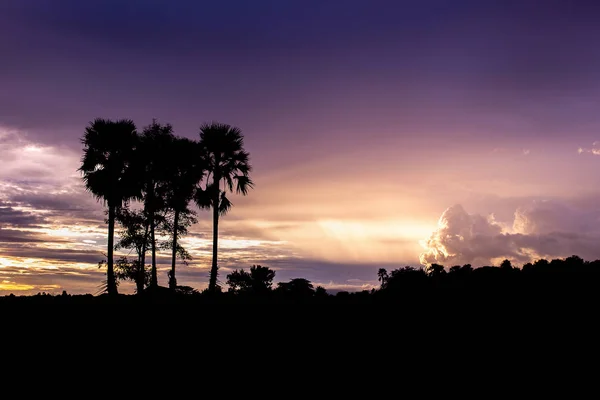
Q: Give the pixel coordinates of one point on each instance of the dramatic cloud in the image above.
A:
(540, 229)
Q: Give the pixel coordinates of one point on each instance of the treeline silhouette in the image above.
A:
(559, 279)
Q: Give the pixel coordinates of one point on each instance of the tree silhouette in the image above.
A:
(297, 287)
(262, 278)
(321, 292)
(454, 270)
(151, 168)
(258, 281)
(239, 281)
(527, 266)
(541, 263)
(185, 169)
(382, 276)
(227, 164)
(435, 270)
(185, 218)
(105, 165)
(506, 265)
(406, 280)
(126, 270)
(135, 236)
(574, 261)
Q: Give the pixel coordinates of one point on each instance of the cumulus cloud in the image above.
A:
(544, 217)
(540, 229)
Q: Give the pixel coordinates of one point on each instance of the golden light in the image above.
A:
(12, 286)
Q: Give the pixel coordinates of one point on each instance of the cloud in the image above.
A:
(595, 149)
(540, 229)
(46, 255)
(31, 280)
(37, 177)
(351, 286)
(9, 216)
(62, 202)
(17, 236)
(29, 163)
(547, 216)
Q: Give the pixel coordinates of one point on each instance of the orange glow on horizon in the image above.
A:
(11, 286)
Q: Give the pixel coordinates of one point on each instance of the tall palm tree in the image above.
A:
(107, 173)
(152, 166)
(184, 171)
(227, 163)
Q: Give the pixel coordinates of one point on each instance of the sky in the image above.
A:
(382, 133)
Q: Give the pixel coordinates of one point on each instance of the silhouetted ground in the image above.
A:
(441, 297)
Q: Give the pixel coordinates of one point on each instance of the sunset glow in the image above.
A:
(427, 133)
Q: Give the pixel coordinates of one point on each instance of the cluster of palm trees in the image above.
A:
(163, 173)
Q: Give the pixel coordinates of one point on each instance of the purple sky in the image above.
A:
(366, 121)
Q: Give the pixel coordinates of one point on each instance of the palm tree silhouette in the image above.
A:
(185, 170)
(152, 167)
(222, 148)
(382, 276)
(106, 168)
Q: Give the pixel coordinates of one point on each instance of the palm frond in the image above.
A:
(244, 184)
(224, 204)
(108, 147)
(228, 182)
(222, 145)
(202, 198)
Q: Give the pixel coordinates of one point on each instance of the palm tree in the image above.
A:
(152, 166)
(106, 168)
(382, 276)
(227, 163)
(185, 170)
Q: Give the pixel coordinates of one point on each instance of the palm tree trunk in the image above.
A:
(154, 278)
(139, 282)
(212, 286)
(172, 280)
(142, 271)
(111, 284)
